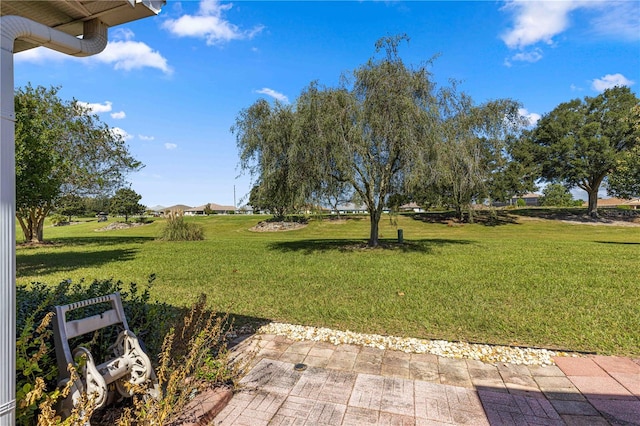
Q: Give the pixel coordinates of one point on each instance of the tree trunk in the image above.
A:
(25, 229)
(374, 217)
(593, 203)
(32, 224)
(40, 229)
(591, 187)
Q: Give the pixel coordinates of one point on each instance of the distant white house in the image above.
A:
(246, 209)
(215, 208)
(350, 208)
(173, 209)
(411, 207)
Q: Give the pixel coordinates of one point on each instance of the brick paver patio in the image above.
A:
(353, 385)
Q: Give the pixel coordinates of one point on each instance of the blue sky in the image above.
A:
(174, 84)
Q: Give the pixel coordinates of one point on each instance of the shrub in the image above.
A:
(192, 352)
(36, 369)
(58, 220)
(194, 356)
(556, 195)
(143, 219)
(177, 229)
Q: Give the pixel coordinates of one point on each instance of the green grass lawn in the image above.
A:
(532, 282)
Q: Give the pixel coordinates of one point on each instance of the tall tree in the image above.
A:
(61, 149)
(472, 148)
(513, 171)
(265, 135)
(581, 142)
(625, 183)
(126, 202)
(374, 131)
(70, 205)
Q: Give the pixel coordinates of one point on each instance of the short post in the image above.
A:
(400, 236)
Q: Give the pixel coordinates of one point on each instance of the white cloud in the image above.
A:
(276, 95)
(536, 21)
(575, 88)
(609, 81)
(122, 133)
(618, 19)
(131, 55)
(208, 23)
(532, 56)
(118, 115)
(145, 138)
(122, 34)
(531, 117)
(40, 55)
(95, 107)
(123, 53)
(170, 146)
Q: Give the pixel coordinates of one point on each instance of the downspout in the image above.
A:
(12, 28)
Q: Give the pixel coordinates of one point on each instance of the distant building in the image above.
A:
(246, 209)
(411, 207)
(350, 208)
(175, 208)
(633, 203)
(215, 208)
(531, 200)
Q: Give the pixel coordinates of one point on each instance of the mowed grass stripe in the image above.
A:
(535, 282)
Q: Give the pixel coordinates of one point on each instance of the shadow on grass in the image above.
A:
(618, 242)
(314, 246)
(51, 262)
(103, 240)
(486, 218)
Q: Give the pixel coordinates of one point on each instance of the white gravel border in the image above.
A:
(486, 353)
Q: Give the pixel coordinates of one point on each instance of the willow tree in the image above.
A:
(61, 149)
(472, 149)
(265, 136)
(373, 132)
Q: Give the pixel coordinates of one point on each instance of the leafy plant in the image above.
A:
(194, 357)
(556, 195)
(36, 369)
(192, 354)
(58, 219)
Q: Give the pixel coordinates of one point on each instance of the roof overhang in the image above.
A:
(69, 16)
